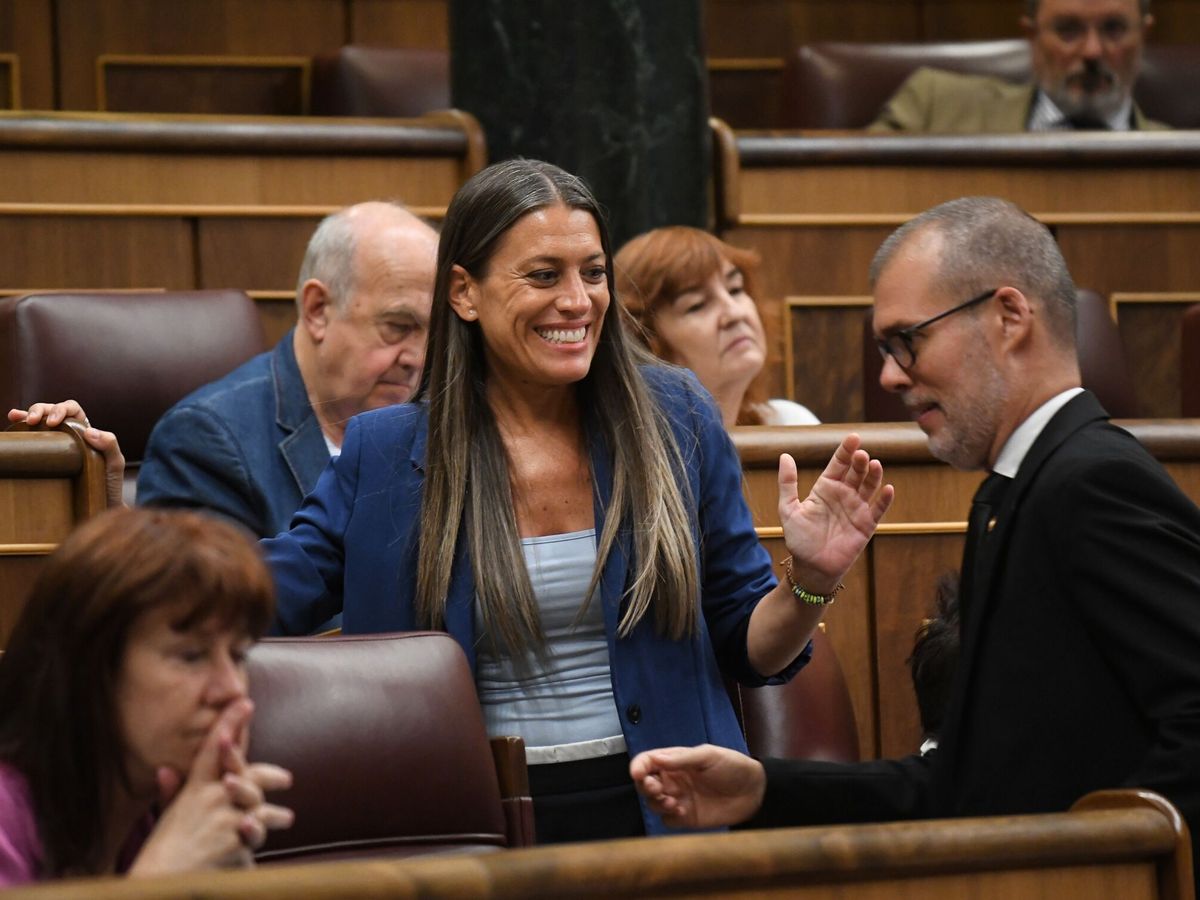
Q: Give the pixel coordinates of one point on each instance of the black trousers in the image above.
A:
(585, 800)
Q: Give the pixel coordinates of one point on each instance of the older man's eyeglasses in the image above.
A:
(1112, 30)
(899, 344)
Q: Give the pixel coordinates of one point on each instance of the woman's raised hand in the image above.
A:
(54, 414)
(217, 816)
(827, 530)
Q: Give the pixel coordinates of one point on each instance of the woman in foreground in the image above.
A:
(123, 707)
(570, 511)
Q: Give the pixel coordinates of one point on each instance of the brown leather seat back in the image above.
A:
(127, 358)
(1168, 87)
(1102, 356)
(842, 84)
(1189, 363)
(386, 743)
(810, 717)
(380, 81)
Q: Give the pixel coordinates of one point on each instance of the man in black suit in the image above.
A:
(1080, 592)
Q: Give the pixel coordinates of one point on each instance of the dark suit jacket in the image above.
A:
(1080, 666)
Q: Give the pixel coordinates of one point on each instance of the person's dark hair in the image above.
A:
(656, 267)
(1031, 7)
(59, 723)
(991, 243)
(934, 656)
(467, 482)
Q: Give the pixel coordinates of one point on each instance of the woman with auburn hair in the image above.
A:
(123, 707)
(570, 511)
(693, 296)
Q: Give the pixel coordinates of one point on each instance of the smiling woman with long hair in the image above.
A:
(569, 510)
(124, 687)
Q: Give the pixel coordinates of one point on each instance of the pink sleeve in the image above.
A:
(20, 847)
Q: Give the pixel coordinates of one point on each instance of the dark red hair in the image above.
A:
(58, 676)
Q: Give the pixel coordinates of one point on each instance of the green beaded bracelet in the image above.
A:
(807, 596)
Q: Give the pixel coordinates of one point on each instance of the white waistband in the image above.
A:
(557, 753)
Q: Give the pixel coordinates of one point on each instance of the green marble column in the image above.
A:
(613, 90)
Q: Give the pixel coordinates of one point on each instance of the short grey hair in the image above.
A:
(330, 255)
(990, 243)
(1031, 7)
(330, 258)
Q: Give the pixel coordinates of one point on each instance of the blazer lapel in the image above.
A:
(303, 446)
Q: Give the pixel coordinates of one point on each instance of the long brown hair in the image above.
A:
(467, 483)
(656, 267)
(59, 724)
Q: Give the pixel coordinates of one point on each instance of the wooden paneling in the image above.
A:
(26, 31)
(1176, 22)
(217, 85)
(968, 20)
(50, 480)
(905, 569)
(260, 253)
(1150, 326)
(47, 251)
(89, 28)
(10, 81)
(400, 23)
(745, 96)
(772, 28)
(849, 624)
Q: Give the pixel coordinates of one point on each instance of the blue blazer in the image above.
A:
(247, 446)
(352, 548)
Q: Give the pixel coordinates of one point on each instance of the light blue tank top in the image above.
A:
(568, 697)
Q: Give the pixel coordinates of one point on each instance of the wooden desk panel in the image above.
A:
(86, 29)
(1112, 844)
(50, 480)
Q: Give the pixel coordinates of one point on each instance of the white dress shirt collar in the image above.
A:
(1012, 454)
(1046, 116)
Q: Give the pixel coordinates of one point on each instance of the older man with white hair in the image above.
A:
(251, 445)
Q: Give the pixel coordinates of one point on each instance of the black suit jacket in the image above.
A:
(1080, 666)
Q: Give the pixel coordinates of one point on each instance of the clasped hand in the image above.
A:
(216, 816)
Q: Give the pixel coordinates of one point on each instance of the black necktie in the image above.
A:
(1087, 122)
(983, 508)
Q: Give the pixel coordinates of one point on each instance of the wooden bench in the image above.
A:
(50, 480)
(1123, 844)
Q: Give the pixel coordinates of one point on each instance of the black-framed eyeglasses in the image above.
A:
(899, 344)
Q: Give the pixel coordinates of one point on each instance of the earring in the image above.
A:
(471, 312)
